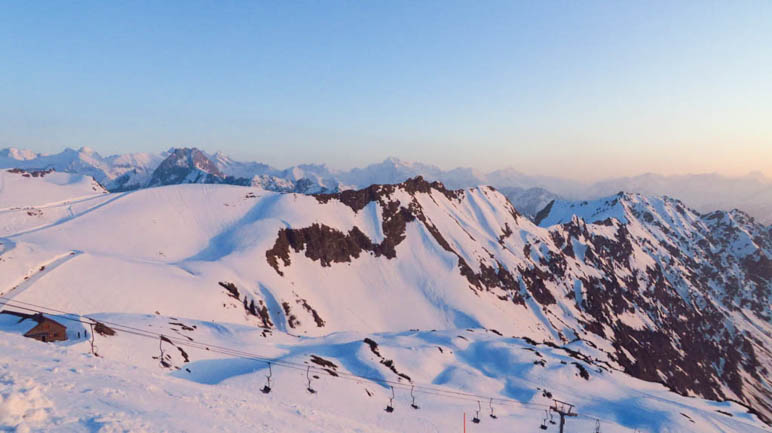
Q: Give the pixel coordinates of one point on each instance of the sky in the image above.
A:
(584, 89)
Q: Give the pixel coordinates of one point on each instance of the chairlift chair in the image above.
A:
(308, 376)
(490, 403)
(390, 406)
(476, 418)
(543, 425)
(267, 388)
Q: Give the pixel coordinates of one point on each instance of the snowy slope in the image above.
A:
(116, 172)
(30, 199)
(21, 188)
(719, 263)
(112, 393)
(298, 274)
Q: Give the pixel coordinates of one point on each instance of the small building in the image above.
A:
(47, 330)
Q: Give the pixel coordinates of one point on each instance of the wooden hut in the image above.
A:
(47, 330)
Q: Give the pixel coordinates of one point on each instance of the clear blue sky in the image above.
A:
(576, 88)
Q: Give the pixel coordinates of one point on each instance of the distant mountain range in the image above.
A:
(529, 194)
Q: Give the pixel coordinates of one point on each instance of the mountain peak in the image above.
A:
(393, 160)
(358, 199)
(17, 154)
(185, 165)
(623, 206)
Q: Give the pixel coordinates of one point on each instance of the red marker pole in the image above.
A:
(464, 422)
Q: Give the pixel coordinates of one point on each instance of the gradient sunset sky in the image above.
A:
(581, 89)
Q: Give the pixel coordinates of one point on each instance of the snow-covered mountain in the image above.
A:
(115, 172)
(33, 189)
(185, 166)
(190, 165)
(13, 154)
(706, 192)
(420, 284)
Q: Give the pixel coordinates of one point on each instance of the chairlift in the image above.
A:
(93, 346)
(413, 405)
(476, 418)
(390, 407)
(490, 403)
(267, 388)
(161, 357)
(308, 376)
(543, 425)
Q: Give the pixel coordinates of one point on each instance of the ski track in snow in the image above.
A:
(71, 216)
(36, 274)
(68, 202)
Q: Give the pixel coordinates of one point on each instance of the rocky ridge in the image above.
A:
(673, 295)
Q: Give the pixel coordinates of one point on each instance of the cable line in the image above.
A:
(278, 362)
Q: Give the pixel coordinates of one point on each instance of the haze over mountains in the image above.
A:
(703, 192)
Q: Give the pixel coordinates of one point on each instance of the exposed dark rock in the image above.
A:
(544, 213)
(262, 312)
(184, 354)
(31, 173)
(317, 318)
(292, 320)
(320, 243)
(103, 330)
(534, 278)
(183, 326)
(507, 232)
(373, 347)
(318, 360)
(582, 371)
(387, 362)
(231, 288)
(358, 199)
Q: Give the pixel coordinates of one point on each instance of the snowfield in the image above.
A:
(452, 297)
(63, 388)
